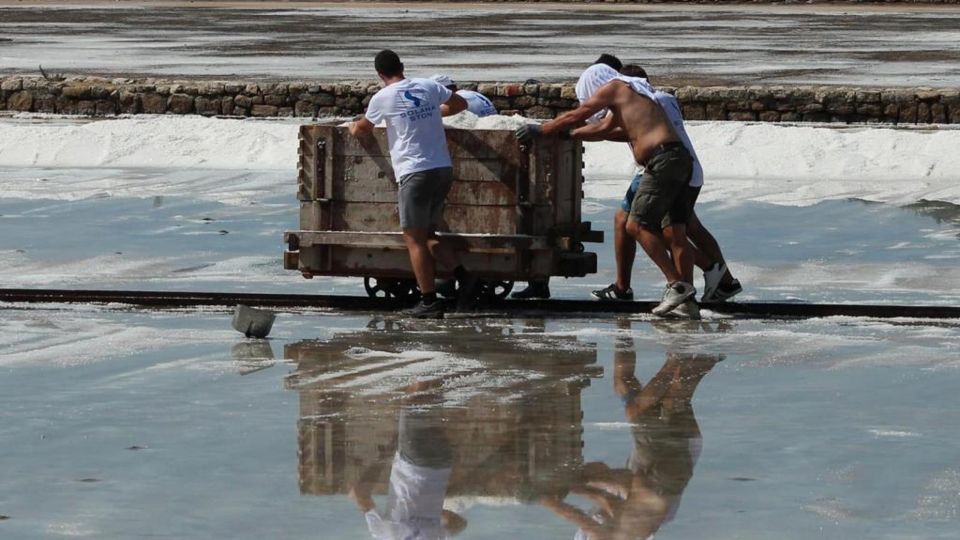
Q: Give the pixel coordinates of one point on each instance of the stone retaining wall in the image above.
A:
(103, 97)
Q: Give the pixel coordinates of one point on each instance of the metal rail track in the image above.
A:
(180, 300)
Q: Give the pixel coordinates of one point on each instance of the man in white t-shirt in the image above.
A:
(412, 110)
(477, 103)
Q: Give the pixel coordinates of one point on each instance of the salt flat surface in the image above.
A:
(895, 46)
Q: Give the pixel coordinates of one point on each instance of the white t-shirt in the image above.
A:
(477, 103)
(414, 504)
(411, 110)
(671, 107)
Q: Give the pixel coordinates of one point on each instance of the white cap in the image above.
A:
(442, 80)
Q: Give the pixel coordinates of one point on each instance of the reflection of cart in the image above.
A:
(521, 439)
(513, 212)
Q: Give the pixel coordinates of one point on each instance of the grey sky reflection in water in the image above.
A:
(430, 429)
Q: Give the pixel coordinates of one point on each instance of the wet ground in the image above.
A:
(883, 46)
(168, 425)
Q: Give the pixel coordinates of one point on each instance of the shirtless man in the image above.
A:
(635, 117)
(719, 283)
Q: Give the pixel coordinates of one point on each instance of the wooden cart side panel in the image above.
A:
(462, 144)
(380, 217)
(395, 263)
(384, 190)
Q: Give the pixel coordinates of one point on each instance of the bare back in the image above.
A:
(642, 119)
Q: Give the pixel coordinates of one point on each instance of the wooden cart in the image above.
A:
(513, 211)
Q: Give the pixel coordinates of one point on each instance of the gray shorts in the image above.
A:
(665, 179)
(421, 197)
(422, 439)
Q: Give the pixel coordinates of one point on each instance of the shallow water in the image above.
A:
(177, 235)
(902, 46)
(122, 425)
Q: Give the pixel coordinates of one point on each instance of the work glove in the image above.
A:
(527, 132)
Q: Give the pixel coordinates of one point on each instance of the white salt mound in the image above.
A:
(781, 164)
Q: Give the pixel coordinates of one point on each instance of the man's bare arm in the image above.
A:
(453, 105)
(602, 99)
(361, 127)
(605, 130)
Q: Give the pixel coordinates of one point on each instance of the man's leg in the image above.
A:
(680, 251)
(422, 261)
(707, 247)
(624, 250)
(655, 248)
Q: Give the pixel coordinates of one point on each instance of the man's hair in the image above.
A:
(610, 60)
(388, 64)
(633, 70)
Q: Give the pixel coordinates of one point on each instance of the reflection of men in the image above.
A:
(477, 103)
(636, 117)
(419, 476)
(412, 111)
(719, 284)
(635, 501)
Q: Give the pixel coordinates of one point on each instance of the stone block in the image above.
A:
(251, 89)
(769, 116)
(324, 112)
(77, 91)
(239, 111)
(257, 100)
(305, 108)
(891, 110)
(694, 111)
(153, 103)
(840, 107)
(100, 92)
(243, 101)
(207, 106)
(20, 101)
(523, 102)
(741, 116)
(313, 89)
(226, 104)
(106, 107)
(232, 88)
(264, 110)
(538, 111)
(908, 113)
(568, 92)
(531, 89)
(45, 105)
(923, 112)
(211, 89)
(938, 113)
(953, 114)
(297, 87)
(716, 111)
(128, 102)
(868, 96)
(810, 108)
(12, 85)
(348, 103)
(870, 110)
(275, 99)
(790, 117)
(487, 89)
(86, 107)
(180, 104)
(926, 94)
(285, 111)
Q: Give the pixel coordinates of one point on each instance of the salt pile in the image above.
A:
(780, 164)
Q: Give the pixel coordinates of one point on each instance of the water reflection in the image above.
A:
(419, 424)
(634, 501)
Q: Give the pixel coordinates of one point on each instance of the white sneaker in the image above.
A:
(676, 294)
(711, 280)
(688, 310)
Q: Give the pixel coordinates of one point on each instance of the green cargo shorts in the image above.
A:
(662, 194)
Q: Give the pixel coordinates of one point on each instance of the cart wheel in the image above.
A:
(378, 287)
(405, 290)
(402, 289)
(494, 290)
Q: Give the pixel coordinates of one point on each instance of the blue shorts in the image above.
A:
(627, 201)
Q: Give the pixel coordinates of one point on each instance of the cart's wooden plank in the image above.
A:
(384, 190)
(395, 240)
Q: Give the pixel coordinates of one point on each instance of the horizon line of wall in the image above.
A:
(89, 96)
